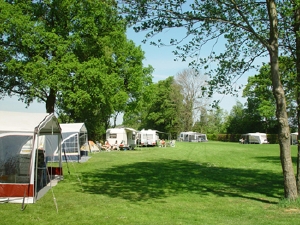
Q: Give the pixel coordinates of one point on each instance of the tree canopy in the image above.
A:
(160, 109)
(261, 102)
(74, 56)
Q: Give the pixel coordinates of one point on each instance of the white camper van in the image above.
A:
(124, 136)
(147, 138)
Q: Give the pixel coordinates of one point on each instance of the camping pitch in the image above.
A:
(27, 142)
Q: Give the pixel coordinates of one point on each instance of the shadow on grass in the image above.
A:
(275, 159)
(159, 179)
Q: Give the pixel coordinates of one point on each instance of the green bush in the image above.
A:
(273, 138)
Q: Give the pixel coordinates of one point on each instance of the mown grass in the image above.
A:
(193, 183)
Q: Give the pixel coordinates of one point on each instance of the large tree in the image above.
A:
(250, 29)
(74, 56)
(211, 121)
(235, 122)
(191, 85)
(160, 108)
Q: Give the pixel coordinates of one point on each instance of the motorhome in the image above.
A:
(124, 137)
(147, 138)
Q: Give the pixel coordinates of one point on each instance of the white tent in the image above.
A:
(255, 138)
(192, 136)
(74, 137)
(294, 138)
(27, 142)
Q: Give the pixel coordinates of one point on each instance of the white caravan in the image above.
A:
(255, 138)
(147, 138)
(124, 136)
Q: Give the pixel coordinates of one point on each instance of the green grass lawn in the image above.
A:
(193, 183)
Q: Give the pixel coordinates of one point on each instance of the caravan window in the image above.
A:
(112, 135)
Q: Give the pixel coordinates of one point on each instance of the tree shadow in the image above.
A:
(142, 181)
(275, 159)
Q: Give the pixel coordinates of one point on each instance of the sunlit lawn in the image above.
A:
(193, 183)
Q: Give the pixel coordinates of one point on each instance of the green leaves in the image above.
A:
(239, 26)
(74, 53)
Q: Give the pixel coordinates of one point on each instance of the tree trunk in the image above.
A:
(290, 187)
(296, 30)
(50, 103)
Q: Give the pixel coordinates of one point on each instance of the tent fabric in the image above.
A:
(73, 127)
(192, 136)
(26, 122)
(294, 138)
(255, 138)
(74, 137)
(26, 140)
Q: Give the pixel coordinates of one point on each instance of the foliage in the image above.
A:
(174, 105)
(205, 23)
(273, 138)
(260, 100)
(211, 121)
(74, 56)
(236, 120)
(228, 137)
(160, 112)
(191, 84)
(246, 119)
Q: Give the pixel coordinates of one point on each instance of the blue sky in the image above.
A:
(161, 59)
